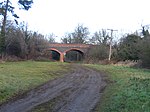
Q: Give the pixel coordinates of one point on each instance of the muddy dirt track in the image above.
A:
(78, 91)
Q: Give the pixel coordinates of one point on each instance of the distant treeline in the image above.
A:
(26, 44)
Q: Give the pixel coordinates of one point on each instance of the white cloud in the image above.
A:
(60, 16)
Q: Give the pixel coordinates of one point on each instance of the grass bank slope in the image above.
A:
(17, 77)
(129, 90)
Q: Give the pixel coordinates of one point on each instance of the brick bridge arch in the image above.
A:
(62, 49)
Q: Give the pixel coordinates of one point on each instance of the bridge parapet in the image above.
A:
(70, 45)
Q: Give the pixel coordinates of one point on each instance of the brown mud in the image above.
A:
(78, 91)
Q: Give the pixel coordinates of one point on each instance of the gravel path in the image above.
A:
(78, 91)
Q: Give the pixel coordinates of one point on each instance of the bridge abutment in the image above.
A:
(61, 57)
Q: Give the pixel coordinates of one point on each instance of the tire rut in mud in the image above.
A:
(76, 92)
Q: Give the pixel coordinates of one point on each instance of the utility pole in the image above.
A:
(110, 43)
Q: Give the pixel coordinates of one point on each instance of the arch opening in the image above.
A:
(55, 55)
(74, 55)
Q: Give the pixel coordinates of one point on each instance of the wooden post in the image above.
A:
(110, 44)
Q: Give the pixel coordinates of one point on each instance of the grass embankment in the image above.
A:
(17, 77)
(128, 92)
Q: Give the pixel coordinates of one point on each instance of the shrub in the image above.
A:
(145, 52)
(97, 53)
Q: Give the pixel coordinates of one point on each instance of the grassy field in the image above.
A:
(129, 90)
(17, 77)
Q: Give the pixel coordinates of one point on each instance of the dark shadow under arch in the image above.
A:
(55, 55)
(72, 55)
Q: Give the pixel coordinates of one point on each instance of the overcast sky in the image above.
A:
(61, 16)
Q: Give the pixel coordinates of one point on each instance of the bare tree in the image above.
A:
(51, 38)
(5, 7)
(100, 37)
(67, 39)
(80, 34)
(23, 43)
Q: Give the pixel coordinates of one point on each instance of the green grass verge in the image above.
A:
(17, 77)
(129, 92)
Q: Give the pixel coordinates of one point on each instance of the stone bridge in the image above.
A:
(62, 49)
